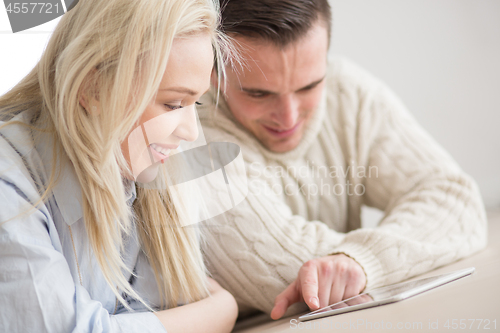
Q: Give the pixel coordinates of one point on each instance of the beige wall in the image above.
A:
(443, 59)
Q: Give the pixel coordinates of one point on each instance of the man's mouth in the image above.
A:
(282, 133)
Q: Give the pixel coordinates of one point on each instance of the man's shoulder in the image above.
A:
(352, 89)
(346, 75)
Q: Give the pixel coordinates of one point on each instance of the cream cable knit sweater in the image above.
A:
(361, 148)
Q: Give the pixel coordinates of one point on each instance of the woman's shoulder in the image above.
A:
(16, 133)
(19, 162)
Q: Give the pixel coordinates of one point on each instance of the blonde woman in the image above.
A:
(82, 248)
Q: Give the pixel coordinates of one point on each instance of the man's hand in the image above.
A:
(321, 282)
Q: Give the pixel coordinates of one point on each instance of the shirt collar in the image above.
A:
(67, 191)
(130, 192)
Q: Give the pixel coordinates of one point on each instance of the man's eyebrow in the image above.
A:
(268, 92)
(312, 84)
(182, 90)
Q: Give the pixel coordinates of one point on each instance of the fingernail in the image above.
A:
(315, 301)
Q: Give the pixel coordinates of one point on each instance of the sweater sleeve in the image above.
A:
(434, 214)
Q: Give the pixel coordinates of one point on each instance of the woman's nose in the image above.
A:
(187, 129)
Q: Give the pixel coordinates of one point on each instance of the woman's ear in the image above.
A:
(89, 103)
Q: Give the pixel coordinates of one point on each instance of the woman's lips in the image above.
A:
(159, 153)
(282, 133)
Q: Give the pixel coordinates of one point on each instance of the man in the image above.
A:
(320, 138)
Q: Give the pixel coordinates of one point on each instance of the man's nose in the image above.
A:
(187, 128)
(288, 111)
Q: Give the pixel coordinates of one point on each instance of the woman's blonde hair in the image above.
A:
(116, 51)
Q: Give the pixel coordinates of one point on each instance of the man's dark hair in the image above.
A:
(280, 22)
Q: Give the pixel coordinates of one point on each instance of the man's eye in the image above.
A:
(173, 107)
(258, 95)
(307, 88)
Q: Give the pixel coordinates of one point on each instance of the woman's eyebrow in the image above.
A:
(183, 90)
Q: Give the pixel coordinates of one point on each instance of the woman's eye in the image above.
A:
(198, 103)
(173, 107)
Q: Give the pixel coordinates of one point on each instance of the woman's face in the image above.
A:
(170, 117)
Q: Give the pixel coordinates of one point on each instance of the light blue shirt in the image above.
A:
(43, 286)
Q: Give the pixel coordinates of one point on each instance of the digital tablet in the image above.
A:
(385, 295)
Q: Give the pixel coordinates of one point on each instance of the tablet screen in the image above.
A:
(380, 294)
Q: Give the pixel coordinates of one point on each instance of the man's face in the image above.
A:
(275, 94)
